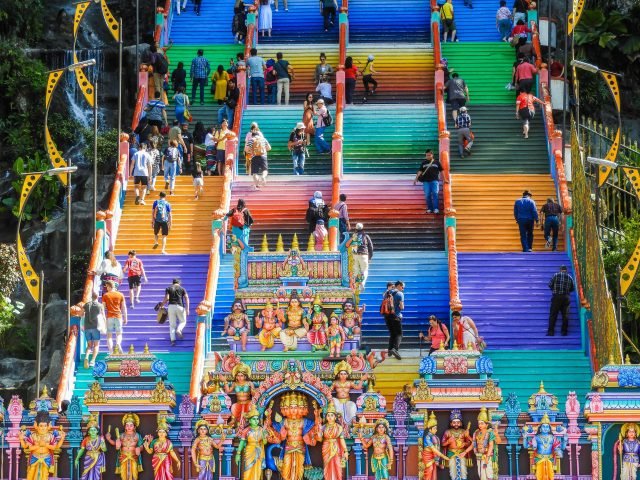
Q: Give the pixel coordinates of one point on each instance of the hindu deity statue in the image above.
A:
(382, 458)
(317, 334)
(242, 386)
(294, 433)
(252, 442)
(236, 324)
(40, 445)
(297, 325)
(351, 319)
(341, 387)
(455, 442)
(431, 453)
(162, 450)
(202, 451)
(128, 445)
(627, 451)
(546, 449)
(336, 336)
(334, 448)
(485, 446)
(268, 321)
(92, 447)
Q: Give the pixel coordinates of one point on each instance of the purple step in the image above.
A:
(161, 270)
(507, 296)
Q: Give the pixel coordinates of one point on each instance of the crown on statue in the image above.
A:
(483, 416)
(432, 422)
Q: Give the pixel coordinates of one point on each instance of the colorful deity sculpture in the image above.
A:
(252, 442)
(242, 386)
(341, 387)
(202, 451)
(546, 449)
(317, 334)
(382, 457)
(455, 442)
(128, 445)
(236, 324)
(92, 447)
(162, 450)
(297, 325)
(431, 454)
(351, 319)
(334, 448)
(268, 321)
(40, 445)
(485, 446)
(294, 433)
(335, 336)
(627, 451)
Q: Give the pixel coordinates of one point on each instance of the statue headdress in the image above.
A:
(483, 416)
(237, 301)
(336, 313)
(268, 304)
(131, 417)
(241, 368)
(456, 414)
(253, 412)
(317, 300)
(432, 422)
(545, 420)
(163, 425)
(93, 422)
(202, 423)
(331, 408)
(383, 421)
(342, 366)
(629, 426)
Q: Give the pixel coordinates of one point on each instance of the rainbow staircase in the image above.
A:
(400, 21)
(302, 24)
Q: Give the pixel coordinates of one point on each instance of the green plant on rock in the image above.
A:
(66, 131)
(108, 142)
(12, 338)
(9, 269)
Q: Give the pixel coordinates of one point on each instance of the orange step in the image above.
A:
(191, 229)
(484, 206)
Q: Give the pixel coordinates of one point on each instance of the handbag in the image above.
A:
(102, 324)
(163, 313)
(187, 115)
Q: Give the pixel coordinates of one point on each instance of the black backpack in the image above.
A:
(161, 65)
(327, 119)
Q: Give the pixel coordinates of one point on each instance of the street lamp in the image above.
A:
(35, 283)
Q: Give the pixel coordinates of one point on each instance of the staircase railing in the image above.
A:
(164, 19)
(443, 151)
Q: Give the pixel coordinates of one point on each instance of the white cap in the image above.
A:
(359, 226)
(370, 58)
(463, 109)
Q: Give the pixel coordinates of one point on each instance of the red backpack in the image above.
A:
(387, 307)
(237, 219)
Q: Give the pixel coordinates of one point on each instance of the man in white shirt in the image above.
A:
(324, 88)
(141, 168)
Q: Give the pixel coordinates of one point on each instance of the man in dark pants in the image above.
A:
(526, 213)
(394, 320)
(561, 285)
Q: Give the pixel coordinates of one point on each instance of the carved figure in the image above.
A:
(202, 451)
(455, 442)
(382, 458)
(431, 453)
(236, 324)
(297, 325)
(334, 448)
(252, 441)
(268, 321)
(627, 451)
(93, 447)
(352, 319)
(341, 387)
(242, 387)
(317, 334)
(546, 449)
(485, 447)
(162, 450)
(128, 445)
(336, 336)
(39, 445)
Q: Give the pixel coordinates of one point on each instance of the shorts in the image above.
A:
(141, 180)
(220, 155)
(525, 115)
(164, 226)
(134, 281)
(114, 325)
(92, 335)
(198, 182)
(448, 25)
(456, 103)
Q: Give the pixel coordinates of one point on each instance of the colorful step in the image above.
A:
(302, 24)
(392, 375)
(508, 297)
(400, 21)
(212, 26)
(484, 210)
(376, 201)
(477, 24)
(224, 296)
(388, 139)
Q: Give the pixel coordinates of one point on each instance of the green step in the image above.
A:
(499, 146)
(387, 139)
(521, 371)
(485, 68)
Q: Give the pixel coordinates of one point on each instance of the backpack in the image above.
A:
(327, 119)
(237, 219)
(387, 307)
(172, 154)
(259, 148)
(161, 65)
(271, 76)
(162, 212)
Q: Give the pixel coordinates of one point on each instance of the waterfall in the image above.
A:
(78, 106)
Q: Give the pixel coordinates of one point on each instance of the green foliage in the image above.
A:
(21, 20)
(9, 269)
(108, 142)
(79, 267)
(64, 130)
(615, 33)
(14, 338)
(44, 196)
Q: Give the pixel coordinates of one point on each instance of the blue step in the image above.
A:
(302, 24)
(508, 297)
(383, 21)
(212, 27)
(225, 295)
(477, 24)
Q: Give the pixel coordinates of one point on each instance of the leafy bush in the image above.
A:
(21, 19)
(64, 131)
(108, 142)
(14, 339)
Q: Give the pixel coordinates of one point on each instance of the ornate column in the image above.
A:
(15, 416)
(593, 435)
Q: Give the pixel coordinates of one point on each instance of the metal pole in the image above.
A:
(619, 305)
(549, 34)
(39, 334)
(95, 156)
(120, 83)
(564, 89)
(137, 34)
(69, 252)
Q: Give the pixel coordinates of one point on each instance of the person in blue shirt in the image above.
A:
(394, 320)
(526, 213)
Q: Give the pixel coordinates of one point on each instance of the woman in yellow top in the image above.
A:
(367, 78)
(220, 79)
(220, 137)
